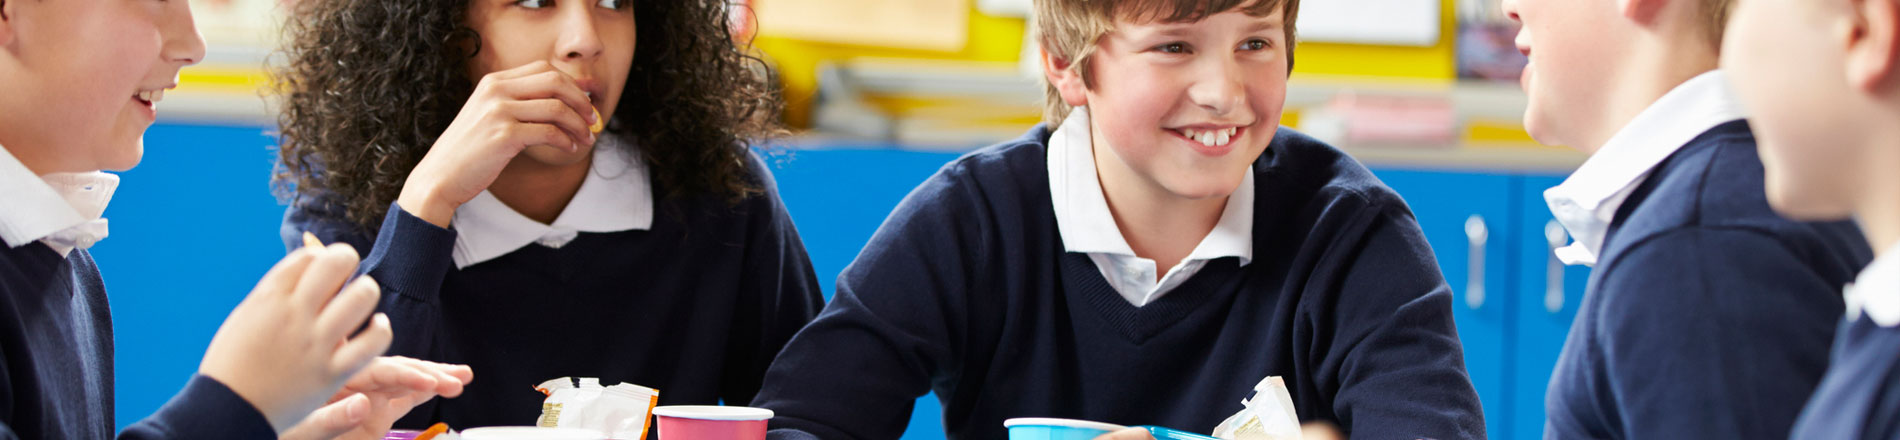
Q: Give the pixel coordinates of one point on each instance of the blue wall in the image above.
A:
(195, 225)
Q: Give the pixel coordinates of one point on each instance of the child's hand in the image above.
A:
(509, 111)
(373, 399)
(288, 347)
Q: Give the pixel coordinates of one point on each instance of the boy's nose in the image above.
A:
(1222, 91)
(183, 44)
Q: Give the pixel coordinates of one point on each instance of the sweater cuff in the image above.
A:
(206, 409)
(411, 256)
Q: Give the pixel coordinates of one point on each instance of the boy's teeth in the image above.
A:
(1224, 135)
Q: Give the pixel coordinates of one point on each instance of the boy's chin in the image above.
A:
(1803, 205)
(121, 155)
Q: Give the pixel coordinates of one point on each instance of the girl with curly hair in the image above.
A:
(548, 188)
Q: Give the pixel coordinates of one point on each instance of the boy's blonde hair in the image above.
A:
(1069, 30)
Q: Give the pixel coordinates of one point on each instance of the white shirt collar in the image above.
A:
(61, 209)
(1586, 202)
(616, 195)
(1877, 290)
(1088, 227)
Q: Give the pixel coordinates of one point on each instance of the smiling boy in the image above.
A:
(1147, 256)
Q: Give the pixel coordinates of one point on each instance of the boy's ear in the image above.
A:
(1873, 45)
(6, 22)
(1066, 79)
(1641, 11)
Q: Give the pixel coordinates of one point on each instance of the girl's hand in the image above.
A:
(510, 110)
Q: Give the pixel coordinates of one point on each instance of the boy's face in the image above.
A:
(590, 40)
(81, 75)
(1184, 107)
(1786, 60)
(1572, 46)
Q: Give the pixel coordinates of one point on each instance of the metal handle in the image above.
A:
(1554, 270)
(1477, 234)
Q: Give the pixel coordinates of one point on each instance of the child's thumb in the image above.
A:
(331, 420)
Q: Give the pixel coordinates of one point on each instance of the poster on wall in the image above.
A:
(1487, 47)
(1381, 22)
(940, 25)
(239, 25)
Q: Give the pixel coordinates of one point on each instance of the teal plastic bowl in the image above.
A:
(1039, 428)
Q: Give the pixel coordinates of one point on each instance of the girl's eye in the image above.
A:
(1255, 44)
(613, 4)
(1171, 48)
(532, 4)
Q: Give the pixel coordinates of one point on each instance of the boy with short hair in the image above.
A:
(1707, 316)
(81, 80)
(1822, 79)
(1148, 256)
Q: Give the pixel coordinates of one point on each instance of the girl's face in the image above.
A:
(82, 78)
(590, 40)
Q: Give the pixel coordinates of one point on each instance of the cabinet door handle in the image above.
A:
(1477, 234)
(1554, 269)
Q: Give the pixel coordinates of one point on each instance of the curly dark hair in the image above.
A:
(368, 85)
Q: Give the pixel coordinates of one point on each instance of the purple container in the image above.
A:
(402, 434)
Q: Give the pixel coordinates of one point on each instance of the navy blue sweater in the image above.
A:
(1708, 316)
(966, 291)
(1859, 399)
(696, 306)
(56, 361)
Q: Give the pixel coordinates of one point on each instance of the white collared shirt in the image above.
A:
(1877, 290)
(1087, 226)
(60, 209)
(1586, 202)
(616, 195)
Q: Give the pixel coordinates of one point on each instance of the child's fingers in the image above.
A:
(332, 266)
(523, 135)
(331, 420)
(550, 85)
(388, 375)
(549, 111)
(348, 310)
(449, 378)
(360, 350)
(284, 276)
(520, 71)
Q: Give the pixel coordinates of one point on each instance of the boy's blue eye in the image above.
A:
(532, 4)
(1255, 44)
(613, 4)
(1171, 48)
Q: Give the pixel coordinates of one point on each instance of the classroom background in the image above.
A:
(881, 93)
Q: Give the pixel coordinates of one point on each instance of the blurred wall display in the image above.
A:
(1487, 47)
(940, 25)
(1382, 22)
(239, 23)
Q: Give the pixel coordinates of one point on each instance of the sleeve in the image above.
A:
(206, 409)
(782, 290)
(857, 370)
(409, 258)
(1711, 333)
(1393, 362)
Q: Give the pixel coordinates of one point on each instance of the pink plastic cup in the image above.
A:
(699, 422)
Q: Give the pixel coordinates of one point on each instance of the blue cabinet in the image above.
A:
(1469, 221)
(1548, 294)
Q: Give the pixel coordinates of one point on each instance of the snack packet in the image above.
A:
(1269, 415)
(621, 410)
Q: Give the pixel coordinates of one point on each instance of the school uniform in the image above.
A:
(1003, 285)
(56, 327)
(1859, 398)
(1707, 315)
(691, 295)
